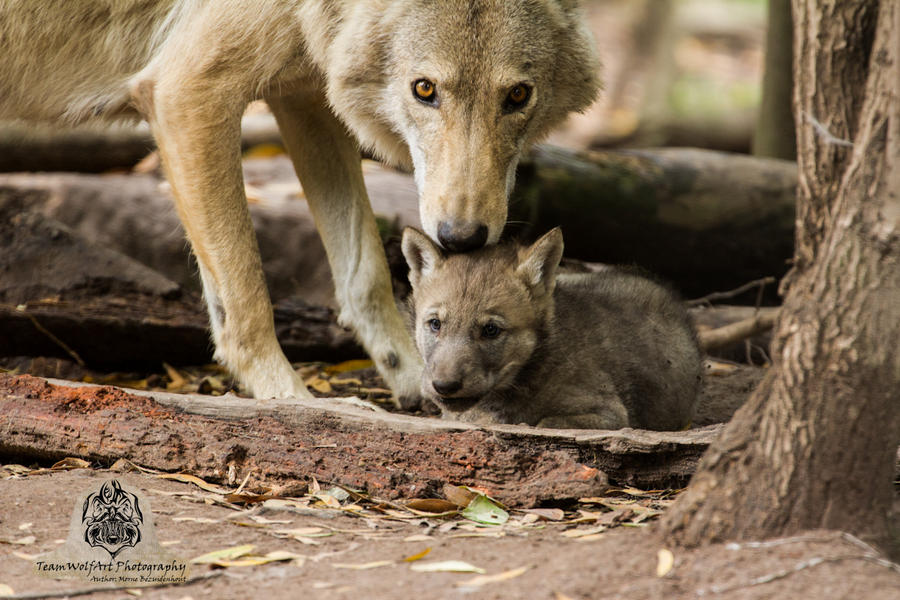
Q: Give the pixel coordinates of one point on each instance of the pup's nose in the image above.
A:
(445, 388)
(461, 237)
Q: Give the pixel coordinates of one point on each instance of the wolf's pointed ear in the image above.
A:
(422, 255)
(538, 264)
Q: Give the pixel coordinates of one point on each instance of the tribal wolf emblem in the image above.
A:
(112, 518)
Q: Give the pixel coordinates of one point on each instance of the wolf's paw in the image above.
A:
(283, 382)
(356, 402)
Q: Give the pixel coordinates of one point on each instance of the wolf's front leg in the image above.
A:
(197, 129)
(327, 162)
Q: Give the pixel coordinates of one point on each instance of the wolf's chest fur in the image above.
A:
(506, 340)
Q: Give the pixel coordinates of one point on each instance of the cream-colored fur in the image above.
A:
(337, 74)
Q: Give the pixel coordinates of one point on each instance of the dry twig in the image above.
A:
(741, 330)
(757, 283)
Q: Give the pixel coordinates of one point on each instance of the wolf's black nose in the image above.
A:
(462, 237)
(445, 388)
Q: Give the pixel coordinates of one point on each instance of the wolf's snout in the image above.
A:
(462, 237)
(445, 388)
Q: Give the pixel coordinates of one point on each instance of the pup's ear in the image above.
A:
(422, 255)
(538, 264)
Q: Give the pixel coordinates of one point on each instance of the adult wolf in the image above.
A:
(454, 88)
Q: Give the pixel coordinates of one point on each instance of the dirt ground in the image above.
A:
(540, 558)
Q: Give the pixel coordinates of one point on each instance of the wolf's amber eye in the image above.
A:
(424, 91)
(434, 325)
(518, 96)
(490, 330)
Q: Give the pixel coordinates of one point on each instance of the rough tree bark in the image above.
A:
(815, 445)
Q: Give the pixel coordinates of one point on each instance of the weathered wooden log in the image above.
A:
(62, 296)
(701, 219)
(96, 149)
(279, 442)
(135, 215)
(139, 331)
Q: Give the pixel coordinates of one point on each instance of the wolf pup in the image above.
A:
(456, 89)
(507, 340)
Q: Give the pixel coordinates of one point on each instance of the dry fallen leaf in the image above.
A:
(244, 499)
(264, 521)
(345, 381)
(22, 541)
(304, 535)
(177, 381)
(446, 566)
(549, 514)
(15, 469)
(70, 463)
(186, 478)
(363, 566)
(224, 554)
(253, 561)
(459, 495)
(666, 560)
(305, 532)
(196, 519)
(431, 505)
(417, 556)
(577, 533)
(320, 385)
(282, 504)
(486, 579)
(123, 465)
(349, 365)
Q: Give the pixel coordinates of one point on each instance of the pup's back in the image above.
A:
(639, 334)
(506, 340)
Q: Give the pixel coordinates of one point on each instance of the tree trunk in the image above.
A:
(775, 132)
(815, 445)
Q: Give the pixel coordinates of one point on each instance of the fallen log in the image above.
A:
(63, 296)
(94, 149)
(139, 332)
(701, 219)
(280, 442)
(134, 214)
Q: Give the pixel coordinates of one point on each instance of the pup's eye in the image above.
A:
(518, 97)
(425, 91)
(434, 325)
(490, 330)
